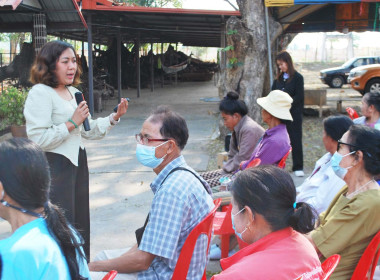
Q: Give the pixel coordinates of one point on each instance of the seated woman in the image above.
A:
(245, 135)
(370, 110)
(42, 244)
(352, 219)
(322, 185)
(265, 215)
(275, 143)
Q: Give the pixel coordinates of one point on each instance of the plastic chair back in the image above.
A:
(352, 113)
(329, 265)
(254, 163)
(282, 162)
(110, 275)
(223, 226)
(368, 261)
(204, 227)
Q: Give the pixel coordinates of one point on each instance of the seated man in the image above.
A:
(323, 184)
(181, 200)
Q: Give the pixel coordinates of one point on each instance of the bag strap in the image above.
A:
(185, 169)
(171, 171)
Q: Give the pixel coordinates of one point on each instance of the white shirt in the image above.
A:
(46, 114)
(321, 186)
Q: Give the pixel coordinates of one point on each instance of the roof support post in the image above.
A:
(162, 63)
(137, 44)
(223, 44)
(151, 68)
(119, 65)
(269, 47)
(90, 66)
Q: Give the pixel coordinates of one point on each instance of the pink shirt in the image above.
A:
(284, 254)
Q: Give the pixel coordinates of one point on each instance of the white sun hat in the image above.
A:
(277, 103)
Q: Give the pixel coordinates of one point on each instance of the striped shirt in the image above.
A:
(179, 204)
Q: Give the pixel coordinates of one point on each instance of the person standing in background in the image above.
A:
(54, 121)
(290, 81)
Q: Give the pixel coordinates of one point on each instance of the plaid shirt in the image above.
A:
(179, 204)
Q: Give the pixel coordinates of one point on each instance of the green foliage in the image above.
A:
(12, 102)
(228, 48)
(232, 32)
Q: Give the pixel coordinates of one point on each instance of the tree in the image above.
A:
(247, 54)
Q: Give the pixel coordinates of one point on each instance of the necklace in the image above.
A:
(351, 195)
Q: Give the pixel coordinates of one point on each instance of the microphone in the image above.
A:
(79, 98)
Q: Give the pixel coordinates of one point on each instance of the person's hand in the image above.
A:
(81, 113)
(121, 109)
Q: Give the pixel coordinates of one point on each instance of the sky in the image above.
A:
(208, 4)
(361, 39)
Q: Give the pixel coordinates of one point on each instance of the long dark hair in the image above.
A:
(44, 66)
(270, 192)
(231, 104)
(285, 57)
(25, 175)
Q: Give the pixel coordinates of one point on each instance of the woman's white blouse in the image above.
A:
(46, 114)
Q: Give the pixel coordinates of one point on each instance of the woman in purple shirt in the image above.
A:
(275, 143)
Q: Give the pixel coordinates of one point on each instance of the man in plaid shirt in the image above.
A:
(181, 200)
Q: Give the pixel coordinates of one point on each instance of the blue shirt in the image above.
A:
(179, 204)
(32, 253)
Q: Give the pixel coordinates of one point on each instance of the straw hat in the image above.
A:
(277, 103)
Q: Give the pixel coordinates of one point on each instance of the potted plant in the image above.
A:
(12, 101)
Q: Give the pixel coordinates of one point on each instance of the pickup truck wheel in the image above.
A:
(336, 82)
(373, 86)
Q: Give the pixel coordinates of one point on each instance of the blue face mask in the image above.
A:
(146, 155)
(239, 234)
(335, 161)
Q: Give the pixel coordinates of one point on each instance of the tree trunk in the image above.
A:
(249, 68)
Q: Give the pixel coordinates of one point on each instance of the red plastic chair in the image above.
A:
(254, 163)
(204, 227)
(110, 275)
(223, 226)
(368, 261)
(329, 265)
(352, 113)
(282, 162)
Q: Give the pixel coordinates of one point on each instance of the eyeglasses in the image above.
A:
(145, 140)
(347, 144)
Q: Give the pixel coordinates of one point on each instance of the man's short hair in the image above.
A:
(173, 125)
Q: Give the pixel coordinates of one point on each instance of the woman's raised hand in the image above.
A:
(121, 109)
(81, 113)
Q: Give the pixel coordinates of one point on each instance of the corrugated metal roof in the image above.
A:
(61, 15)
(190, 27)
